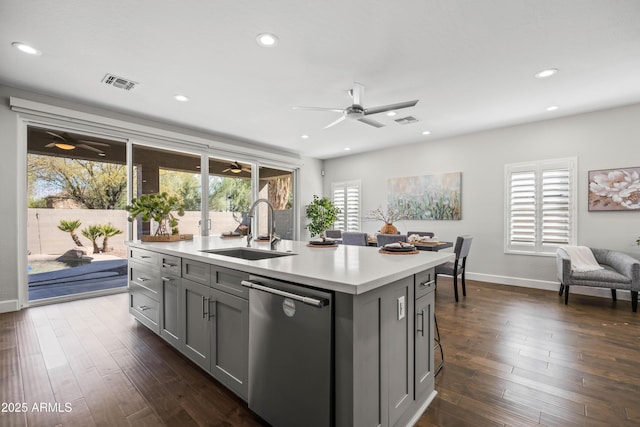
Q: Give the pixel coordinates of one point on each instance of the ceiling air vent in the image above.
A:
(119, 82)
(406, 120)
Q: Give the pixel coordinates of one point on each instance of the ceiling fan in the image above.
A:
(235, 167)
(66, 142)
(357, 111)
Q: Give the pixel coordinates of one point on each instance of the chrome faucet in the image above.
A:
(273, 237)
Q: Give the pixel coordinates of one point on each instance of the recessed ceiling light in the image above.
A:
(347, 149)
(426, 132)
(304, 136)
(267, 40)
(391, 113)
(546, 73)
(180, 98)
(552, 108)
(26, 48)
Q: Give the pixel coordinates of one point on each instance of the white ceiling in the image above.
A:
(471, 63)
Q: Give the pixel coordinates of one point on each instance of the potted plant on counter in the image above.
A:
(389, 216)
(322, 213)
(160, 208)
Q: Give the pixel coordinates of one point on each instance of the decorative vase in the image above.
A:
(388, 228)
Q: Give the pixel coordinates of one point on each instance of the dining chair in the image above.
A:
(457, 267)
(421, 233)
(334, 234)
(354, 238)
(384, 239)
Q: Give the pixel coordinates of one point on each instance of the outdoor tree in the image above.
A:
(229, 194)
(93, 185)
(184, 186)
(71, 227)
(108, 231)
(93, 233)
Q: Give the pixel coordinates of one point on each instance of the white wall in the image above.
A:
(13, 214)
(600, 140)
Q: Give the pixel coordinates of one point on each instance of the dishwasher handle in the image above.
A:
(316, 302)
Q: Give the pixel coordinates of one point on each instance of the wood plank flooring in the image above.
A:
(513, 357)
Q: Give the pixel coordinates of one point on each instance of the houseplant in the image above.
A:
(160, 208)
(322, 213)
(389, 216)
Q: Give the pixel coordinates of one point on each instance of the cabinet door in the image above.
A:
(169, 315)
(196, 329)
(230, 345)
(424, 344)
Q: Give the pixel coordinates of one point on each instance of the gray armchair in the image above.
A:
(354, 238)
(621, 271)
(385, 239)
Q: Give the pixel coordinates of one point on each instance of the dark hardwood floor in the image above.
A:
(513, 357)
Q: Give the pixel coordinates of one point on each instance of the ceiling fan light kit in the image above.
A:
(357, 112)
(66, 142)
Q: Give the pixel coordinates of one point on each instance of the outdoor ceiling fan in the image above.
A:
(66, 142)
(356, 111)
(235, 167)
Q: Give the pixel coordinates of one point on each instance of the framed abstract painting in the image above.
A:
(614, 189)
(427, 197)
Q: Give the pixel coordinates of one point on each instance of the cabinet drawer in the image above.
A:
(170, 264)
(424, 282)
(198, 272)
(228, 280)
(145, 277)
(143, 256)
(143, 307)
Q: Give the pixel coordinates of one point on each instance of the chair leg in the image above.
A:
(464, 285)
(634, 301)
(455, 285)
(613, 294)
(566, 295)
(561, 289)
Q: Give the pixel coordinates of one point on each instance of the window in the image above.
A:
(346, 196)
(540, 209)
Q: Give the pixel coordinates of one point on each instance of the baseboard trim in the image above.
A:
(9, 305)
(546, 285)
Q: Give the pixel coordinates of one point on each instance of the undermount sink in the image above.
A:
(247, 253)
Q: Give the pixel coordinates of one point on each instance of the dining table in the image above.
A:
(422, 246)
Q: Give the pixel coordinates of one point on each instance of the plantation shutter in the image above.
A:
(539, 206)
(346, 196)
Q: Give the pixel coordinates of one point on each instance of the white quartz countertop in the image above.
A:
(347, 269)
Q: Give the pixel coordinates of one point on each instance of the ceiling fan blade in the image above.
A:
(335, 123)
(51, 144)
(226, 170)
(390, 107)
(57, 136)
(88, 147)
(335, 110)
(371, 122)
(99, 144)
(357, 93)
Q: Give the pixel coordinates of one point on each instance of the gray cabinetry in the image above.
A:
(216, 324)
(144, 285)
(425, 304)
(196, 328)
(170, 283)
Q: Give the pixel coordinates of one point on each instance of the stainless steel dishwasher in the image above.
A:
(290, 353)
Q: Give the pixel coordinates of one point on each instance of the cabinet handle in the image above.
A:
(145, 256)
(142, 279)
(143, 308)
(167, 265)
(421, 329)
(166, 279)
(205, 307)
(427, 283)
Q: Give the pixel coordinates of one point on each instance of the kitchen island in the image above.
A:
(374, 367)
